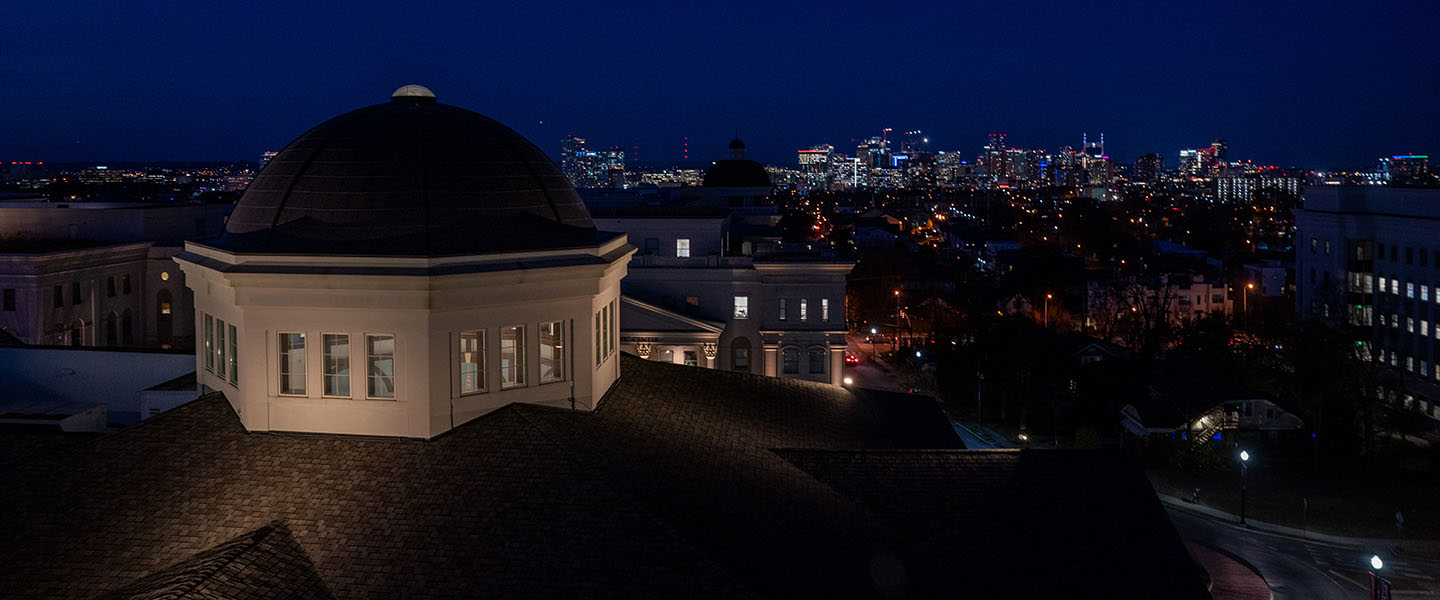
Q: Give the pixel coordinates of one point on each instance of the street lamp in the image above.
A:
(1047, 309)
(895, 344)
(1244, 460)
(1379, 586)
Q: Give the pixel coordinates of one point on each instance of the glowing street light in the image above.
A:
(1244, 461)
(1376, 563)
(849, 381)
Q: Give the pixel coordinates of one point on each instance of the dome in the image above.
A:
(410, 177)
(736, 144)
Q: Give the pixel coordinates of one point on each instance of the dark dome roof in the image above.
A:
(737, 173)
(409, 177)
(736, 144)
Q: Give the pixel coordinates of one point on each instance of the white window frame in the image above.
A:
(394, 367)
(460, 362)
(280, 369)
(682, 247)
(349, 365)
(518, 364)
(234, 355)
(557, 349)
(804, 310)
(209, 322)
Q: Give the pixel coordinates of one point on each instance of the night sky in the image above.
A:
(1307, 83)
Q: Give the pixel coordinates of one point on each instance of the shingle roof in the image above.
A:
(672, 488)
(266, 563)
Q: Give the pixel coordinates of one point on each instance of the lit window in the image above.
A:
(1394, 321)
(792, 360)
(1409, 289)
(1424, 327)
(220, 347)
(234, 357)
(1382, 285)
(1395, 287)
(1410, 324)
(784, 309)
(209, 349)
(692, 358)
(1410, 363)
(824, 309)
(336, 350)
(742, 307)
(472, 361)
(292, 364)
(804, 309)
(380, 366)
(817, 360)
(1424, 292)
(682, 248)
(512, 356)
(552, 352)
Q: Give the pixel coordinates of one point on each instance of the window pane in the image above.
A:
(682, 248)
(692, 358)
(552, 352)
(817, 360)
(512, 356)
(234, 356)
(824, 309)
(614, 336)
(472, 361)
(742, 307)
(784, 309)
(337, 364)
(209, 349)
(380, 366)
(741, 359)
(804, 309)
(292, 363)
(220, 347)
(599, 341)
(792, 360)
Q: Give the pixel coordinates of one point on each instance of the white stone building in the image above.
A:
(402, 269)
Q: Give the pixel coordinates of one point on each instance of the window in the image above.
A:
(652, 246)
(336, 351)
(614, 337)
(220, 347)
(1409, 256)
(292, 364)
(692, 305)
(682, 248)
(1409, 289)
(825, 309)
(234, 357)
(125, 284)
(1314, 241)
(110, 287)
(1424, 328)
(784, 309)
(1217, 298)
(1424, 292)
(472, 361)
(804, 310)
(599, 339)
(380, 366)
(8, 300)
(75, 293)
(692, 358)
(1410, 324)
(792, 360)
(817, 360)
(552, 352)
(512, 356)
(1327, 247)
(742, 307)
(740, 354)
(1395, 287)
(59, 294)
(1382, 285)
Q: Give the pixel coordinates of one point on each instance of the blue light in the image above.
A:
(1216, 436)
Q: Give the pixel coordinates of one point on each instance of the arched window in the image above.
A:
(127, 328)
(817, 360)
(112, 336)
(164, 319)
(791, 360)
(740, 354)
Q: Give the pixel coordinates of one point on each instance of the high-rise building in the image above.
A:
(1405, 169)
(579, 162)
(1148, 167)
(1190, 163)
(265, 158)
(1367, 256)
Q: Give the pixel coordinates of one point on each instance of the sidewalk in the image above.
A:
(1423, 549)
(1230, 579)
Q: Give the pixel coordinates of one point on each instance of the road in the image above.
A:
(869, 374)
(1292, 567)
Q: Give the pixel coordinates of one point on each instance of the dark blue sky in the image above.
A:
(1301, 83)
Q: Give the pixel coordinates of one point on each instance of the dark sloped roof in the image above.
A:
(408, 177)
(265, 564)
(736, 173)
(671, 488)
(991, 522)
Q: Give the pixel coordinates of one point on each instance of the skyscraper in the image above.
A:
(1405, 169)
(1148, 167)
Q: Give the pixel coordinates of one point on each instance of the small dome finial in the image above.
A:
(413, 92)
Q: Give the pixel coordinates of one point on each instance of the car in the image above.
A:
(878, 338)
(851, 359)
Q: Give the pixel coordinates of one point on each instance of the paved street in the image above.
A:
(1297, 568)
(868, 374)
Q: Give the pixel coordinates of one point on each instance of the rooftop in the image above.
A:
(678, 485)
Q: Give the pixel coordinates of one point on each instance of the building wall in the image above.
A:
(120, 222)
(87, 376)
(37, 320)
(425, 314)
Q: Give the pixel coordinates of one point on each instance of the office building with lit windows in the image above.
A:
(1367, 257)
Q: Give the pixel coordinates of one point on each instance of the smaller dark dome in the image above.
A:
(736, 144)
(737, 173)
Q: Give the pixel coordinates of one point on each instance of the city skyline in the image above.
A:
(156, 84)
